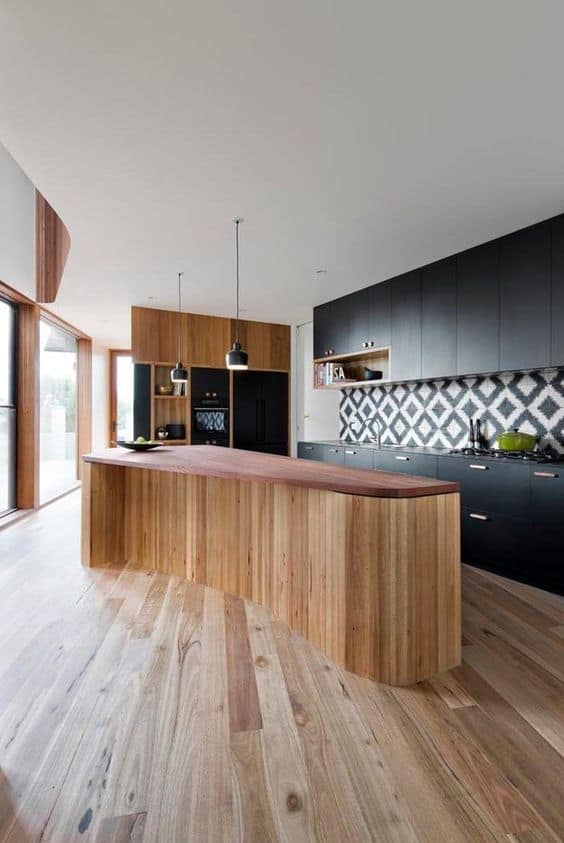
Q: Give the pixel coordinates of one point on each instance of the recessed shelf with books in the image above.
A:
(349, 370)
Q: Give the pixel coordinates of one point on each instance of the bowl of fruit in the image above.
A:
(139, 444)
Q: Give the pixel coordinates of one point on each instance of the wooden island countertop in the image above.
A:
(234, 464)
(364, 564)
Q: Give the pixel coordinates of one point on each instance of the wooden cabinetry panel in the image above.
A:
(154, 335)
(205, 339)
(267, 344)
(208, 340)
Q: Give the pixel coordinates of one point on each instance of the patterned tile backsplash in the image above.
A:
(436, 413)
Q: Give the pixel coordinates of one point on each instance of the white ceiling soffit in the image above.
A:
(365, 138)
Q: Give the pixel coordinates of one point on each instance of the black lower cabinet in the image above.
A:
(494, 542)
(260, 411)
(357, 457)
(310, 451)
(405, 463)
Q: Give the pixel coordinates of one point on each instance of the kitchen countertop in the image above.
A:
(231, 463)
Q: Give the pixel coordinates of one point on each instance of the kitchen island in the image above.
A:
(364, 564)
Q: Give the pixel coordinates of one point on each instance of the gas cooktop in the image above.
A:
(548, 455)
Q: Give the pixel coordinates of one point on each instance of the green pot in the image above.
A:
(514, 440)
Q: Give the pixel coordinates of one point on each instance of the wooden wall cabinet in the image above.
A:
(205, 340)
(208, 340)
(154, 335)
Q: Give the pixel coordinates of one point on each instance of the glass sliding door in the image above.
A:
(57, 416)
(8, 315)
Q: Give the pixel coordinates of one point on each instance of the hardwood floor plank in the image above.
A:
(336, 808)
(125, 829)
(286, 774)
(244, 711)
(252, 804)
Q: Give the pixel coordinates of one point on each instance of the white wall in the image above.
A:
(317, 410)
(17, 226)
(100, 396)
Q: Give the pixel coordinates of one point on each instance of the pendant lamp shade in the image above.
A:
(237, 358)
(180, 373)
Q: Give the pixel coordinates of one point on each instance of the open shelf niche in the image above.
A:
(327, 371)
(169, 409)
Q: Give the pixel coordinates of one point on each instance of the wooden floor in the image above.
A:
(137, 707)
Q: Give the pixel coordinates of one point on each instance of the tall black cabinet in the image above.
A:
(260, 411)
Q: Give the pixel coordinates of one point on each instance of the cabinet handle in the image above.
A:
(371, 344)
(349, 452)
(402, 459)
(478, 467)
(333, 450)
(477, 517)
(308, 447)
(365, 345)
(544, 474)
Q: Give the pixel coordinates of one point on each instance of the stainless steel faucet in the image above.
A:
(376, 439)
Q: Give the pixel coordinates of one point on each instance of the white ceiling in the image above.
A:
(360, 137)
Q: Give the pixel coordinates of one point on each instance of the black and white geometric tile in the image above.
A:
(436, 413)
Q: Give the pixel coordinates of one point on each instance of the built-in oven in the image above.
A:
(210, 420)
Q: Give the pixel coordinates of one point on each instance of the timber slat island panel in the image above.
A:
(371, 579)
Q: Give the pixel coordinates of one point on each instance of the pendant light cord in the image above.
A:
(180, 274)
(237, 221)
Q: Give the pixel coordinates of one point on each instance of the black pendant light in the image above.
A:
(180, 373)
(237, 358)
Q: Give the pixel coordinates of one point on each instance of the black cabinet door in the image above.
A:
(557, 294)
(424, 465)
(333, 453)
(247, 393)
(353, 312)
(310, 451)
(477, 310)
(142, 401)
(330, 328)
(525, 298)
(406, 327)
(501, 487)
(322, 319)
(358, 457)
(380, 314)
(273, 423)
(438, 319)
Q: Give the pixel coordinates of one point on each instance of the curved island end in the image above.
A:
(364, 564)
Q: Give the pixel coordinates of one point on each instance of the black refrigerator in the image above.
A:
(260, 411)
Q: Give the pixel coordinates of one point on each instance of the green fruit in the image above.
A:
(140, 440)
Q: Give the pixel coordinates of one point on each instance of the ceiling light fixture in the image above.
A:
(237, 358)
(180, 373)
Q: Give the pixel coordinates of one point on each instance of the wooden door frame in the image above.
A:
(112, 416)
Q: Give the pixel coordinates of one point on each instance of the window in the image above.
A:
(8, 315)
(57, 414)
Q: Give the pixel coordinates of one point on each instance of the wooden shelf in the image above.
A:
(353, 366)
(351, 384)
(169, 397)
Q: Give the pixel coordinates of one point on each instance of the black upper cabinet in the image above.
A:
(354, 311)
(557, 294)
(380, 314)
(478, 310)
(438, 319)
(525, 298)
(406, 326)
(330, 328)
